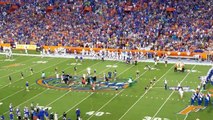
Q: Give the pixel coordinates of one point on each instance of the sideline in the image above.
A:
(170, 61)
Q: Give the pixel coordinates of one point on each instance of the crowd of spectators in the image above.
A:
(124, 24)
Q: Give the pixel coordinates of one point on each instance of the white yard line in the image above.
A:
(58, 98)
(48, 89)
(70, 90)
(27, 76)
(106, 103)
(186, 117)
(30, 85)
(78, 103)
(118, 93)
(22, 61)
(144, 94)
(12, 94)
(21, 69)
(29, 99)
(91, 94)
(171, 94)
(114, 96)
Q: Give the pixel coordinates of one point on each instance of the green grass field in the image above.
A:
(132, 103)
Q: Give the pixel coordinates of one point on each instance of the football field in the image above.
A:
(129, 103)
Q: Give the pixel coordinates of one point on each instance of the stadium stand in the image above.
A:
(130, 24)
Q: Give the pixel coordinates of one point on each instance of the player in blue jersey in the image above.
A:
(206, 101)
(199, 100)
(81, 58)
(26, 113)
(35, 115)
(11, 116)
(17, 110)
(11, 107)
(41, 114)
(27, 86)
(192, 99)
(76, 58)
(2, 117)
(46, 113)
(78, 114)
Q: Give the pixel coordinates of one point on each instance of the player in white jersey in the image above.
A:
(8, 54)
(181, 92)
(25, 49)
(55, 116)
(88, 71)
(57, 76)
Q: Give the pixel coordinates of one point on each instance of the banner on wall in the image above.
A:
(23, 46)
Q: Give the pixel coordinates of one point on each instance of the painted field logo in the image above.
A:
(111, 66)
(90, 83)
(40, 62)
(189, 109)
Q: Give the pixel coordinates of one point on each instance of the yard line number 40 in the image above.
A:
(156, 118)
(98, 113)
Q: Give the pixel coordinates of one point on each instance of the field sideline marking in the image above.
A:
(106, 103)
(19, 70)
(71, 90)
(77, 104)
(26, 76)
(14, 59)
(49, 89)
(171, 94)
(58, 98)
(186, 117)
(144, 94)
(115, 94)
(90, 95)
(24, 88)
(119, 92)
(29, 99)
